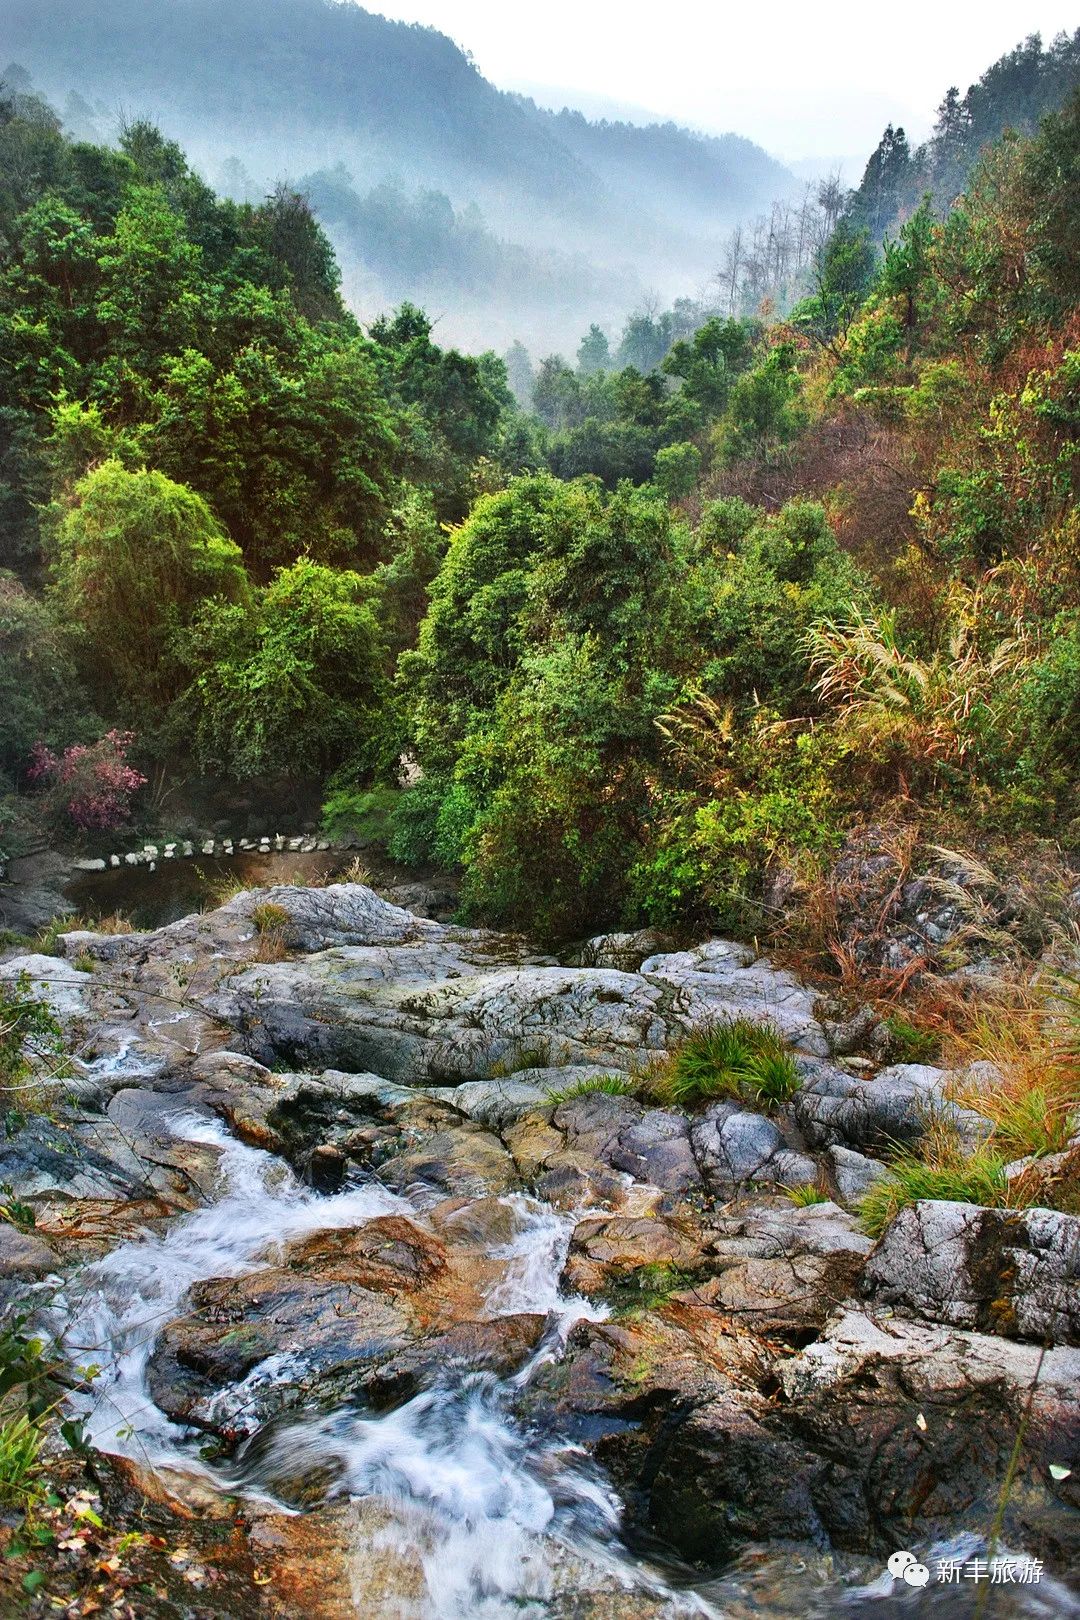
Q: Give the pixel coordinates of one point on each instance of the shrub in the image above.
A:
(136, 554)
(935, 717)
(765, 409)
(290, 681)
(678, 467)
(38, 682)
(20, 1444)
(1033, 1103)
(89, 786)
(363, 815)
(28, 1031)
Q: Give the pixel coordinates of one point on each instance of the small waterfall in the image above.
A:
(491, 1510)
(496, 1520)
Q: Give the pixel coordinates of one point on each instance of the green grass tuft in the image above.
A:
(729, 1059)
(1034, 1122)
(947, 1173)
(269, 918)
(20, 1445)
(614, 1085)
(808, 1193)
(772, 1079)
(910, 1044)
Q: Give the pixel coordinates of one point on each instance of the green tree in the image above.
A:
(554, 639)
(678, 467)
(843, 273)
(709, 362)
(557, 394)
(594, 352)
(766, 409)
(289, 683)
(520, 375)
(135, 555)
(39, 685)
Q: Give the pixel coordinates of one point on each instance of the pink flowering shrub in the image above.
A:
(90, 783)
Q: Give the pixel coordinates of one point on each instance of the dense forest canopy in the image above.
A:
(647, 623)
(511, 220)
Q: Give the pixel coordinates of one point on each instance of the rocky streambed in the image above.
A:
(395, 1316)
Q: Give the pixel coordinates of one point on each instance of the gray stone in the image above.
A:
(733, 1145)
(721, 980)
(1010, 1272)
(650, 1144)
(834, 1108)
(23, 1255)
(623, 951)
(51, 979)
(777, 1229)
(418, 1000)
(500, 1102)
(495, 1102)
(931, 1360)
(854, 1173)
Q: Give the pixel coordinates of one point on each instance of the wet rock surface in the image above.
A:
(392, 1247)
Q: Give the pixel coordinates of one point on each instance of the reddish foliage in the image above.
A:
(90, 783)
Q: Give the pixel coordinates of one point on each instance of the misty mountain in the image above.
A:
(511, 202)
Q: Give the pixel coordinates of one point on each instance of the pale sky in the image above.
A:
(805, 80)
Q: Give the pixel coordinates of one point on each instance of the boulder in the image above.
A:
(734, 1146)
(49, 979)
(781, 1268)
(650, 1144)
(623, 951)
(337, 1306)
(835, 1109)
(723, 980)
(1012, 1272)
(24, 1260)
(854, 1173)
(628, 1252)
(500, 1102)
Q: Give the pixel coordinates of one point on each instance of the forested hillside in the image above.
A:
(726, 591)
(511, 220)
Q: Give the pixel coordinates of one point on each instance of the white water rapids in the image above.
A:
(502, 1522)
(486, 1505)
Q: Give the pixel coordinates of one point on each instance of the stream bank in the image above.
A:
(357, 1281)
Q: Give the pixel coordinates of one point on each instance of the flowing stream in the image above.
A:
(499, 1518)
(480, 1498)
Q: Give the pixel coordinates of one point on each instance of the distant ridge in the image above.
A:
(296, 71)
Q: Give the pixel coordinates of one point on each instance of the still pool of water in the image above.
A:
(176, 888)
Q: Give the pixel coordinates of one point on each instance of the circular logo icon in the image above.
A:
(916, 1574)
(899, 1562)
